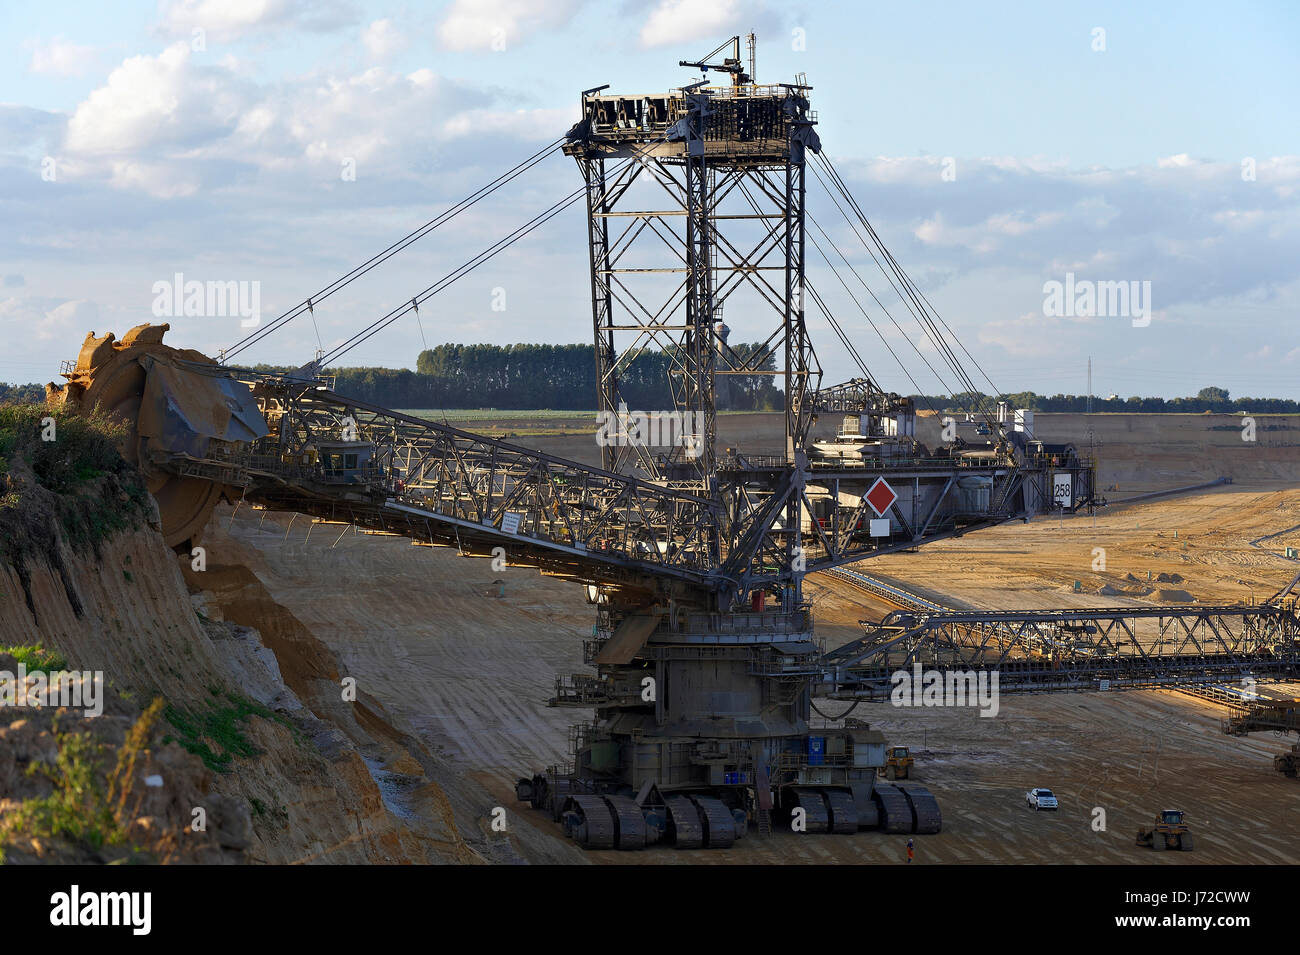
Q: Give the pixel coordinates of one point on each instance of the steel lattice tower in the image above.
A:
(724, 213)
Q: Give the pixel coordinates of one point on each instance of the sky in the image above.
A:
(997, 149)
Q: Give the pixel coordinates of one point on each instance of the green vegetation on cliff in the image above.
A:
(61, 467)
(216, 735)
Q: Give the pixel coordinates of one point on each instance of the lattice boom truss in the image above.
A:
(436, 483)
(1063, 649)
(723, 212)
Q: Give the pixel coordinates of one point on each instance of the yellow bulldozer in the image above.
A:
(898, 763)
(1169, 832)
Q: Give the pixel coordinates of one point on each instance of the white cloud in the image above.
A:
(984, 237)
(382, 39)
(1033, 334)
(150, 101)
(1193, 227)
(180, 160)
(1094, 212)
(161, 180)
(172, 124)
(685, 22)
(46, 320)
(231, 19)
(372, 117)
(535, 124)
(59, 57)
(1217, 251)
(499, 24)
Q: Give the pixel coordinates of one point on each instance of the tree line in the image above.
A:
(1215, 400)
(21, 394)
(528, 377)
(563, 378)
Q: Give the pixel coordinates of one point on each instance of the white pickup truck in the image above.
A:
(1040, 799)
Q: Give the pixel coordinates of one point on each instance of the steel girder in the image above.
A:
(443, 485)
(699, 172)
(1062, 648)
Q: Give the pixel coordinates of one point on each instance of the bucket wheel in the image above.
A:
(109, 378)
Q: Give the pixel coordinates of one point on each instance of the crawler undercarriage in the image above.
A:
(702, 731)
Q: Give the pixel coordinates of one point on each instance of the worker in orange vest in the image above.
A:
(909, 851)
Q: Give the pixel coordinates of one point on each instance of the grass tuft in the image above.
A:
(37, 659)
(216, 735)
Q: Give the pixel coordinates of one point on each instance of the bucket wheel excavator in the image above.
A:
(703, 649)
(126, 380)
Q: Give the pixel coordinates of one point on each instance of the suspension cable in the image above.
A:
(902, 273)
(374, 261)
(475, 261)
(910, 294)
(830, 317)
(926, 327)
(835, 270)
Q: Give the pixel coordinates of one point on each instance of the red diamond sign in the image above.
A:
(881, 497)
